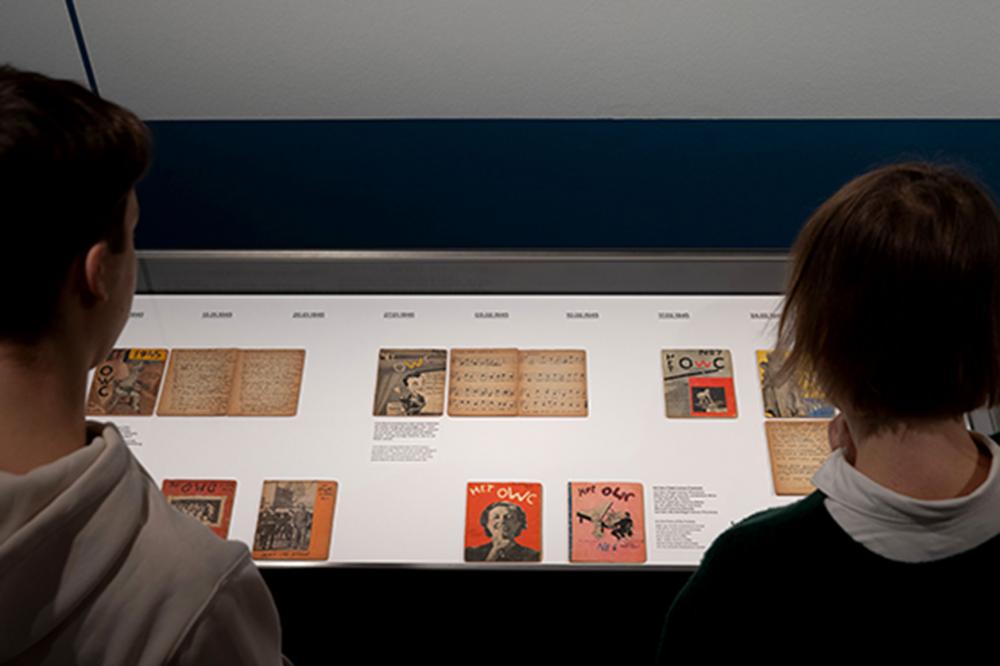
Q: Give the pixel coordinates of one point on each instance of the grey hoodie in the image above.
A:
(96, 568)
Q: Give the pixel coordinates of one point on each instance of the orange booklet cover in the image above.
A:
(503, 522)
(295, 520)
(606, 522)
(208, 501)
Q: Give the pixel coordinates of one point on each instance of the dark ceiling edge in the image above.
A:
(460, 272)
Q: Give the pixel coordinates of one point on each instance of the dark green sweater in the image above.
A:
(791, 578)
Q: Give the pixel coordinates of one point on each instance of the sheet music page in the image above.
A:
(483, 382)
(553, 383)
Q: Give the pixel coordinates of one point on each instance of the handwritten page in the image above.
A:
(797, 450)
(199, 382)
(483, 382)
(267, 382)
(553, 383)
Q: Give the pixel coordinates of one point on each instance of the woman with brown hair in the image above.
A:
(892, 310)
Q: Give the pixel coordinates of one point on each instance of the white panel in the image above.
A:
(414, 511)
(37, 35)
(547, 58)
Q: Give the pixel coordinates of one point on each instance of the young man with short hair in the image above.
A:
(95, 567)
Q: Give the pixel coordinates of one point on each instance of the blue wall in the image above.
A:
(521, 183)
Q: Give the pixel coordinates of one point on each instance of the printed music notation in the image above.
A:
(554, 377)
(553, 383)
(483, 382)
(482, 407)
(476, 360)
(485, 377)
(481, 392)
(549, 358)
(513, 382)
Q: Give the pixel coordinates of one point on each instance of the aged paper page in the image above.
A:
(553, 383)
(797, 450)
(267, 382)
(198, 383)
(483, 382)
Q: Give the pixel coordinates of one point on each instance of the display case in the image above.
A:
(395, 577)
(616, 399)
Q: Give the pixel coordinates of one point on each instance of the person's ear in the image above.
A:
(840, 436)
(96, 271)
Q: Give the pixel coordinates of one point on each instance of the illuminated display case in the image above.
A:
(403, 479)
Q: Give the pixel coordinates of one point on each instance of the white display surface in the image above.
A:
(414, 512)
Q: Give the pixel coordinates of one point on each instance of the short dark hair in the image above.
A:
(68, 160)
(522, 520)
(892, 307)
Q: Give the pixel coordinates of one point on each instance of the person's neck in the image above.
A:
(937, 460)
(41, 404)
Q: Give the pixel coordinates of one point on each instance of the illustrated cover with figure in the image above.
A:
(513, 382)
(208, 501)
(606, 522)
(796, 449)
(126, 384)
(698, 383)
(791, 400)
(234, 382)
(295, 520)
(410, 382)
(503, 522)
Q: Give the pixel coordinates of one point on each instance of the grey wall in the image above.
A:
(525, 58)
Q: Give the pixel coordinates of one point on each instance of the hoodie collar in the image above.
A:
(64, 527)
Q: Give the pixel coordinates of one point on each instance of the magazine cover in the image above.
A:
(209, 501)
(606, 522)
(698, 383)
(295, 520)
(791, 400)
(503, 522)
(126, 383)
(410, 382)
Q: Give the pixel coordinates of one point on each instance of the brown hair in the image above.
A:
(892, 307)
(68, 160)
